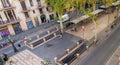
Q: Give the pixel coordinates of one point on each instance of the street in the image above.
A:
(101, 53)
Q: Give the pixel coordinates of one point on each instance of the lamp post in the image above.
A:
(12, 43)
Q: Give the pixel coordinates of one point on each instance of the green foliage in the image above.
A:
(63, 6)
(1, 61)
(56, 18)
(68, 24)
(107, 2)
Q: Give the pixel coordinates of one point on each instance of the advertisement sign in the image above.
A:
(30, 24)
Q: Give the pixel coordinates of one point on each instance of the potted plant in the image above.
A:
(1, 61)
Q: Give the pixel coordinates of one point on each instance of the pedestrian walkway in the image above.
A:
(58, 46)
(114, 59)
(90, 27)
(34, 32)
(25, 58)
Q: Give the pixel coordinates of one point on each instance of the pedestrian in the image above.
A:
(5, 57)
(61, 34)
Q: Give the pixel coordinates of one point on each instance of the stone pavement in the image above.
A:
(25, 57)
(57, 47)
(69, 39)
(89, 27)
(114, 59)
(31, 33)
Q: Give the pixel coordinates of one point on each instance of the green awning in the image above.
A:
(42, 16)
(116, 3)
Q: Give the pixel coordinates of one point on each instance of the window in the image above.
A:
(31, 2)
(26, 14)
(40, 10)
(5, 3)
(39, 2)
(1, 21)
(33, 11)
(23, 5)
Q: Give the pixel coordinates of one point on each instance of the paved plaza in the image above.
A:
(58, 46)
(25, 57)
(90, 27)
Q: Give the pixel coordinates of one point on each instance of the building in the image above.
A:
(17, 16)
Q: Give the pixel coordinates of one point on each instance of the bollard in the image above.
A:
(55, 59)
(68, 51)
(87, 47)
(78, 43)
(25, 42)
(44, 39)
(78, 55)
(31, 46)
(55, 35)
(48, 32)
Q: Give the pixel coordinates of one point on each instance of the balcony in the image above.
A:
(7, 22)
(40, 6)
(7, 7)
(21, 0)
(25, 9)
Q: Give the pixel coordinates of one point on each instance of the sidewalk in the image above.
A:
(29, 33)
(69, 39)
(114, 59)
(89, 27)
(36, 30)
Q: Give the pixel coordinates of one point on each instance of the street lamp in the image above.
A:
(12, 42)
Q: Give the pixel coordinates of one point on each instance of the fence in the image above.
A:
(42, 38)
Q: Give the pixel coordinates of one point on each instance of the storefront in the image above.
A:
(43, 18)
(51, 16)
(30, 24)
(4, 33)
(17, 28)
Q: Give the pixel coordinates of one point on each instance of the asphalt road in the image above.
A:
(101, 53)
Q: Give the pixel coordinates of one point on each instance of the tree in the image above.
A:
(108, 3)
(91, 7)
(59, 8)
(1, 61)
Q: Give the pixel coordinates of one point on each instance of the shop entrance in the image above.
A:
(51, 17)
(4, 33)
(30, 24)
(17, 28)
(43, 18)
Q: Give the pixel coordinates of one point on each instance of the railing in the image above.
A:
(7, 6)
(9, 21)
(40, 6)
(43, 38)
(25, 9)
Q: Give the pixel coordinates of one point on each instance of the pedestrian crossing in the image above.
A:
(25, 58)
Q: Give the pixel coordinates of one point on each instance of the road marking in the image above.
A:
(112, 56)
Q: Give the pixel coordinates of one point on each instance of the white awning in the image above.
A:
(75, 21)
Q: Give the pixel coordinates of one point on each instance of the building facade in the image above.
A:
(17, 16)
